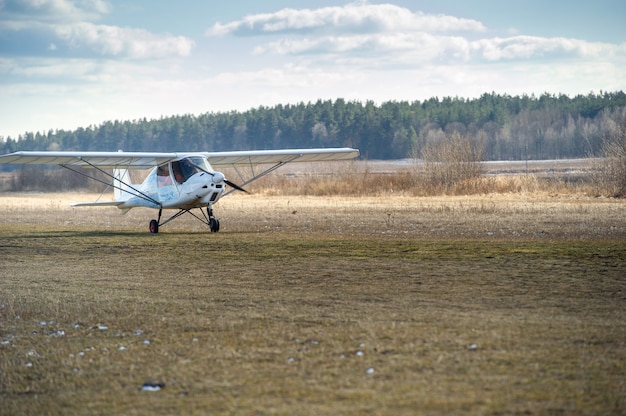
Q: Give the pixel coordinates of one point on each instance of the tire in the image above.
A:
(214, 224)
(154, 227)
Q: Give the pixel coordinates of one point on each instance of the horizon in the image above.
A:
(311, 102)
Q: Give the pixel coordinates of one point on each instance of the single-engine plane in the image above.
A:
(179, 181)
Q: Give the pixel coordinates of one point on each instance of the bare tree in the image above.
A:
(452, 160)
(610, 173)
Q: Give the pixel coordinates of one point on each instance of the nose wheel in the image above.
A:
(214, 223)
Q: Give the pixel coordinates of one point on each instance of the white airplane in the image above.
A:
(182, 181)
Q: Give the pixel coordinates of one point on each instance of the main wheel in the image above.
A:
(154, 227)
(214, 224)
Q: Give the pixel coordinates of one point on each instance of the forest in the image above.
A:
(504, 127)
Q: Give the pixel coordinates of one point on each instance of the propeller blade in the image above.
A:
(234, 185)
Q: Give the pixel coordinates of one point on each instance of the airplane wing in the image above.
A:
(143, 160)
(274, 159)
(128, 160)
(283, 156)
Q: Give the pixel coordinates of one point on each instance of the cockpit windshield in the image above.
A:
(183, 169)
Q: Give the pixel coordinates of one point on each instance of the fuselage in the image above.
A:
(185, 183)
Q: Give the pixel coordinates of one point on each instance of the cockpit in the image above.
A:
(181, 170)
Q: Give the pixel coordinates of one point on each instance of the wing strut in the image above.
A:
(136, 192)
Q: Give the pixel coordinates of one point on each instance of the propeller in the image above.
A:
(219, 177)
(234, 185)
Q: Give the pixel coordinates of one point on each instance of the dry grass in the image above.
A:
(414, 178)
(490, 304)
(377, 178)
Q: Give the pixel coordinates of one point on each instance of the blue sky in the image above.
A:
(75, 63)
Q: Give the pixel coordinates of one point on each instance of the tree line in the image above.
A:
(506, 127)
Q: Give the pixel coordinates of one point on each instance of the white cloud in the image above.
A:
(45, 70)
(117, 41)
(54, 10)
(530, 47)
(357, 17)
(384, 35)
(66, 27)
(403, 49)
(395, 48)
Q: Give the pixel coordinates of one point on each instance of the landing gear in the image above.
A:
(154, 224)
(209, 219)
(154, 227)
(214, 223)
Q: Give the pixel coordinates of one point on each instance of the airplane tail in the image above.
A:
(122, 184)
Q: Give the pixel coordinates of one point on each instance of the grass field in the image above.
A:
(492, 304)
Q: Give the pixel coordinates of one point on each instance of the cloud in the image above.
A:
(359, 17)
(127, 42)
(64, 28)
(532, 47)
(393, 47)
(54, 10)
(386, 35)
(405, 49)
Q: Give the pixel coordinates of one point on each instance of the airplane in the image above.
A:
(181, 181)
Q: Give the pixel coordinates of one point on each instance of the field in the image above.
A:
(491, 304)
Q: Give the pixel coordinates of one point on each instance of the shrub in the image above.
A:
(610, 172)
(452, 161)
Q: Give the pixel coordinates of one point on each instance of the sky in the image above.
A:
(66, 64)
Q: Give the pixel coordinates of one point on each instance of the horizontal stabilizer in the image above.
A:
(98, 204)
